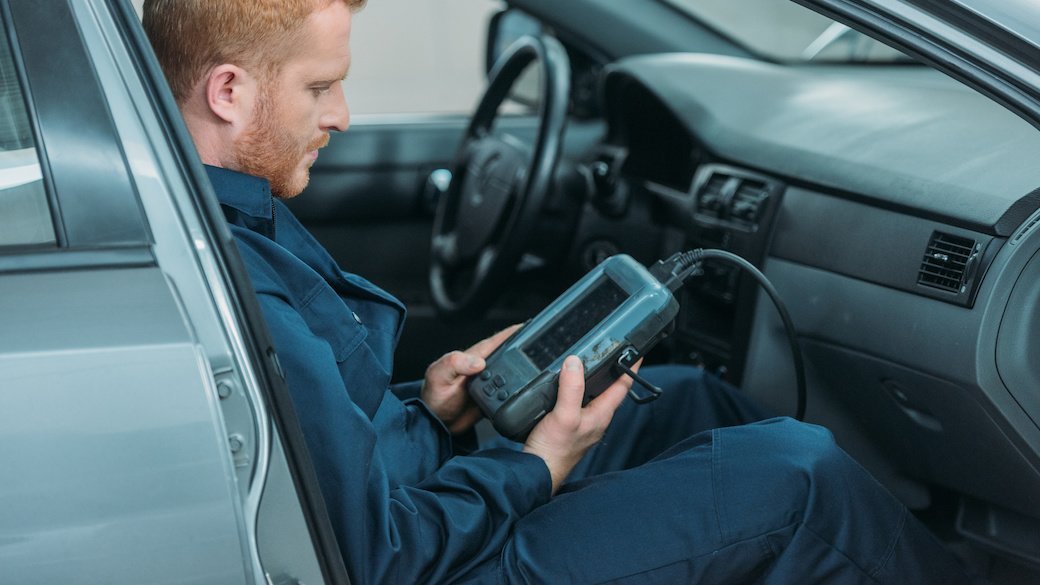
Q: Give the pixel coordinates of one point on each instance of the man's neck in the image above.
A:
(211, 141)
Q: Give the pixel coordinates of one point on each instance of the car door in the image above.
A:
(145, 436)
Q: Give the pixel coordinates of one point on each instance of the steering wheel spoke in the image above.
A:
(445, 249)
(485, 262)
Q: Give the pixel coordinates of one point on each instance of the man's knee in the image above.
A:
(801, 478)
(777, 471)
(798, 450)
(808, 445)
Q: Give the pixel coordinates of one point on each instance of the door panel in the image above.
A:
(376, 170)
(133, 392)
(110, 437)
(366, 203)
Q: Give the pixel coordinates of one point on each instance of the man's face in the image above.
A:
(297, 108)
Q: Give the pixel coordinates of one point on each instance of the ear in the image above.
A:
(230, 94)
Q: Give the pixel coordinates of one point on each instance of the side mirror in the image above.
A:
(503, 30)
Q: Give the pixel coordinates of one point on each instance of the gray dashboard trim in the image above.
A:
(905, 137)
(1017, 342)
(857, 240)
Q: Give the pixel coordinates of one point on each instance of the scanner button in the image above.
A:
(502, 395)
(485, 375)
(499, 381)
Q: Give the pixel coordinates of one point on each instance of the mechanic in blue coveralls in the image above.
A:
(673, 492)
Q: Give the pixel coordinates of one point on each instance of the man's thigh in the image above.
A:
(657, 523)
(775, 501)
(693, 401)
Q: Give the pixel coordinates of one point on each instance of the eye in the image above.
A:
(320, 90)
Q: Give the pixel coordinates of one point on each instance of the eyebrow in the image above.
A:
(330, 81)
(325, 81)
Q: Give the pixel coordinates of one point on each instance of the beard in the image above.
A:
(268, 149)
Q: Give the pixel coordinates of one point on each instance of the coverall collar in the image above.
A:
(246, 193)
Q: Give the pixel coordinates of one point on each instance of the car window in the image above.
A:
(25, 216)
(417, 56)
(785, 31)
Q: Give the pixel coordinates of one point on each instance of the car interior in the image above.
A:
(894, 209)
(888, 195)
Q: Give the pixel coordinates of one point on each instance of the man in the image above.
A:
(258, 83)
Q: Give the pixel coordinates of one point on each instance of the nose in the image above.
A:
(337, 115)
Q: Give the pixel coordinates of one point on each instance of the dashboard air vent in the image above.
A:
(748, 200)
(732, 198)
(1025, 230)
(712, 198)
(946, 262)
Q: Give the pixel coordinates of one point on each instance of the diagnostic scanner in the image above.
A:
(609, 319)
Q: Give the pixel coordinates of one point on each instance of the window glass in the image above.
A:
(25, 217)
(418, 56)
(785, 31)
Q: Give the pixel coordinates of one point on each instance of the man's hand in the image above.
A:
(444, 389)
(566, 433)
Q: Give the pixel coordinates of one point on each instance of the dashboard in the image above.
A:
(896, 211)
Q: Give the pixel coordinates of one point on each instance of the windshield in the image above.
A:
(784, 31)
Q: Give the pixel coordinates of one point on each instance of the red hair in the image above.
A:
(190, 37)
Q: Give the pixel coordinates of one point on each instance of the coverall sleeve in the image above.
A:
(407, 390)
(455, 518)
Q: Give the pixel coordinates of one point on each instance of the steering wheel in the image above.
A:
(487, 214)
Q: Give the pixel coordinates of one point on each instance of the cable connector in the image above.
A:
(674, 270)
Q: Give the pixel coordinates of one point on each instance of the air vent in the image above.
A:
(946, 262)
(748, 200)
(1024, 231)
(732, 198)
(712, 198)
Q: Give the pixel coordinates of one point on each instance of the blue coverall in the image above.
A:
(657, 501)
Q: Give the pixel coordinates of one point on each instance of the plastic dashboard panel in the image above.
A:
(900, 370)
(1018, 339)
(865, 242)
(864, 132)
(875, 161)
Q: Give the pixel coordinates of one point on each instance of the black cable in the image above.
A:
(674, 271)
